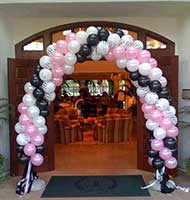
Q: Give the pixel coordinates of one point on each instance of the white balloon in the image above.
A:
(51, 49)
(151, 125)
(170, 112)
(39, 121)
(163, 81)
(138, 44)
(68, 69)
(45, 62)
(19, 128)
(126, 40)
(91, 30)
(70, 58)
(42, 130)
(45, 75)
(95, 55)
(162, 104)
(28, 88)
(155, 73)
(48, 86)
(33, 111)
(74, 46)
(103, 48)
(50, 97)
(113, 40)
(22, 139)
(133, 65)
(136, 84)
(151, 98)
(142, 91)
(145, 69)
(174, 120)
(159, 133)
(146, 115)
(28, 100)
(81, 37)
(121, 63)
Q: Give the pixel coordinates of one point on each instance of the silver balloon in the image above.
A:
(145, 69)
(70, 58)
(170, 112)
(95, 55)
(174, 120)
(136, 84)
(48, 87)
(103, 48)
(151, 125)
(74, 46)
(138, 44)
(50, 97)
(113, 40)
(28, 100)
(91, 30)
(133, 65)
(45, 75)
(28, 88)
(155, 73)
(126, 41)
(163, 81)
(22, 139)
(51, 49)
(159, 133)
(45, 62)
(42, 130)
(68, 69)
(142, 91)
(39, 121)
(151, 98)
(146, 116)
(162, 104)
(33, 111)
(19, 128)
(121, 63)
(81, 37)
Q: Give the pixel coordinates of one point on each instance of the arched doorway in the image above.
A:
(20, 71)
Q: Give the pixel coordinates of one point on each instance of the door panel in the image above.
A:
(169, 66)
(19, 72)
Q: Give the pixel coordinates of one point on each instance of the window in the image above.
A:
(152, 43)
(36, 45)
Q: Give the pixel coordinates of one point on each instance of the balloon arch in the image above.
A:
(95, 44)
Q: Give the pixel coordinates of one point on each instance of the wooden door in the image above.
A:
(19, 72)
(169, 66)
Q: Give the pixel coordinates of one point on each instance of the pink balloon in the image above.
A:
(58, 72)
(131, 52)
(157, 145)
(165, 153)
(166, 123)
(37, 139)
(61, 46)
(150, 160)
(31, 130)
(156, 115)
(144, 56)
(141, 99)
(118, 52)
(57, 81)
(37, 159)
(30, 149)
(22, 108)
(147, 108)
(172, 132)
(171, 163)
(25, 120)
(57, 58)
(70, 36)
(109, 56)
(153, 62)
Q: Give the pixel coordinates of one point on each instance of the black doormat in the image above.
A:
(95, 186)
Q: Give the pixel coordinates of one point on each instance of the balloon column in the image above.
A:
(95, 44)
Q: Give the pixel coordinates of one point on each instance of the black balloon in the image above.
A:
(37, 69)
(103, 34)
(134, 75)
(153, 154)
(120, 32)
(158, 163)
(92, 40)
(23, 159)
(150, 133)
(38, 93)
(170, 99)
(170, 143)
(80, 58)
(42, 105)
(155, 86)
(36, 81)
(19, 148)
(164, 93)
(85, 50)
(174, 152)
(144, 81)
(40, 149)
(44, 113)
